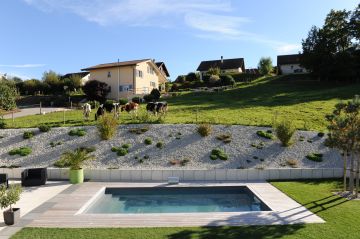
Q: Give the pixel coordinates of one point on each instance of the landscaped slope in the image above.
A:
(304, 101)
(341, 216)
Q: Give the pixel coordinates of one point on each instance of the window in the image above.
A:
(140, 74)
(152, 84)
(109, 74)
(124, 88)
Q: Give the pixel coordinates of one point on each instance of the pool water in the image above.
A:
(176, 200)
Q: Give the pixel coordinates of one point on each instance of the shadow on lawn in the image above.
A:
(244, 232)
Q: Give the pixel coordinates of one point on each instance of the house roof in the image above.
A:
(288, 59)
(81, 74)
(225, 65)
(159, 64)
(114, 64)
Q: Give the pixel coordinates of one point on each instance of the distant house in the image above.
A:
(235, 65)
(83, 75)
(254, 71)
(290, 64)
(129, 78)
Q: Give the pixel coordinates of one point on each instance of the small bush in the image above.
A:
(136, 99)
(204, 130)
(23, 151)
(218, 154)
(292, 163)
(148, 141)
(61, 163)
(77, 132)
(148, 98)
(123, 101)
(44, 128)
(155, 93)
(146, 157)
(225, 138)
(139, 130)
(28, 134)
(126, 146)
(54, 144)
(160, 145)
(301, 138)
(264, 134)
(107, 126)
(122, 152)
(2, 123)
(321, 134)
(284, 131)
(315, 157)
(184, 162)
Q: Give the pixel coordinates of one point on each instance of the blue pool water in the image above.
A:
(176, 200)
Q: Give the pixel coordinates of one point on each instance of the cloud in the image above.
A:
(209, 19)
(23, 66)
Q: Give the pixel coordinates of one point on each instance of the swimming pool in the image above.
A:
(175, 200)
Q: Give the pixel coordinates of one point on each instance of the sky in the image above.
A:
(68, 35)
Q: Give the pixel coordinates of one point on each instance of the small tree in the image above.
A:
(8, 95)
(96, 90)
(155, 93)
(192, 77)
(265, 65)
(9, 197)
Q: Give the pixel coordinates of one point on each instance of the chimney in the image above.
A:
(222, 59)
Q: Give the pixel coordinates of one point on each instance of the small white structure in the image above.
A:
(290, 64)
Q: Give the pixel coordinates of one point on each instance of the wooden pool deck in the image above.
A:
(64, 210)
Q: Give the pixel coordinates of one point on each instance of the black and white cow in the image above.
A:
(157, 107)
(100, 111)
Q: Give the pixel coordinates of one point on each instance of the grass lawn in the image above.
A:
(342, 221)
(304, 102)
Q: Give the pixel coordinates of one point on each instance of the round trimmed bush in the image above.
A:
(44, 128)
(122, 152)
(148, 141)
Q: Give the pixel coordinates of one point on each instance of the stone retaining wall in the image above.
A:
(133, 175)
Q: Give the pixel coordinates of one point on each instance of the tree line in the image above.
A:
(332, 52)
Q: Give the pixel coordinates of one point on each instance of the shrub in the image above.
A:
(184, 162)
(107, 126)
(264, 134)
(136, 99)
(160, 145)
(2, 123)
(148, 98)
(284, 131)
(44, 128)
(225, 138)
(123, 101)
(54, 144)
(204, 130)
(316, 157)
(146, 157)
(8, 95)
(139, 130)
(28, 134)
(292, 163)
(88, 149)
(214, 80)
(122, 152)
(73, 159)
(148, 141)
(23, 151)
(126, 146)
(77, 132)
(155, 93)
(109, 105)
(321, 134)
(218, 154)
(227, 80)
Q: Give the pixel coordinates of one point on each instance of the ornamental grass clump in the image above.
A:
(218, 154)
(204, 130)
(28, 134)
(107, 126)
(23, 151)
(265, 134)
(285, 130)
(44, 128)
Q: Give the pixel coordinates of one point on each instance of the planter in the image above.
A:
(11, 217)
(76, 176)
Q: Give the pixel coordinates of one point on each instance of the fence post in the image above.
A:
(70, 104)
(64, 116)
(40, 108)
(12, 116)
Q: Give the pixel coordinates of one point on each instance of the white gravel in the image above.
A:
(189, 145)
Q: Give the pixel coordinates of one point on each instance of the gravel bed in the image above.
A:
(181, 142)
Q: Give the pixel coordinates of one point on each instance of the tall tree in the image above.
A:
(265, 65)
(96, 90)
(355, 23)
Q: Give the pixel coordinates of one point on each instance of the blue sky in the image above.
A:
(67, 35)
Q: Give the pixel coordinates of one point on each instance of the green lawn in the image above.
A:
(304, 102)
(342, 221)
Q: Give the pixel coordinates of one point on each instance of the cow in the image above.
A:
(86, 111)
(157, 107)
(130, 107)
(100, 111)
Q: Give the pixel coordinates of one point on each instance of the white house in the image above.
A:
(290, 64)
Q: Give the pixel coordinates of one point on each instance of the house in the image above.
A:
(130, 78)
(235, 65)
(83, 75)
(290, 64)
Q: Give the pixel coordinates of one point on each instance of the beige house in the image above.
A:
(130, 78)
(235, 65)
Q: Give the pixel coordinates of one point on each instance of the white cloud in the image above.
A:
(210, 19)
(23, 66)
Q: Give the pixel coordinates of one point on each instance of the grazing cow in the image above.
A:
(157, 107)
(86, 110)
(130, 107)
(100, 111)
